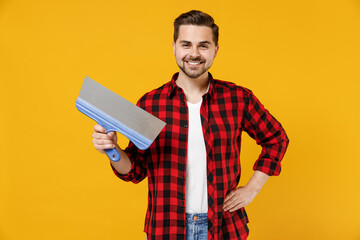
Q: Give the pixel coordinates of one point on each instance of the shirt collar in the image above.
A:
(173, 85)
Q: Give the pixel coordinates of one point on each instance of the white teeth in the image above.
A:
(193, 63)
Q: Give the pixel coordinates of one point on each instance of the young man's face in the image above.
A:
(194, 50)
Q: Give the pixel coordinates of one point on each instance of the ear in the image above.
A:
(173, 45)
(216, 49)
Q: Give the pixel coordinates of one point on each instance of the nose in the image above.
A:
(194, 52)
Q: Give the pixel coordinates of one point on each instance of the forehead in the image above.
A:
(194, 33)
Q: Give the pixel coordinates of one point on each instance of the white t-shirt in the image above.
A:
(196, 176)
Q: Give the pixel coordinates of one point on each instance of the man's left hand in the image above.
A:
(238, 198)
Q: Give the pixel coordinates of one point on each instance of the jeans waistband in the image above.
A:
(196, 218)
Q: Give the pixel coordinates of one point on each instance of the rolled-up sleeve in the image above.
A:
(268, 133)
(138, 165)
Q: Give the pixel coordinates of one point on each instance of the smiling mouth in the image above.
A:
(192, 63)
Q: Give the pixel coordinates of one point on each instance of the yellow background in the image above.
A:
(301, 58)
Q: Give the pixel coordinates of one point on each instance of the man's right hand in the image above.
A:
(103, 140)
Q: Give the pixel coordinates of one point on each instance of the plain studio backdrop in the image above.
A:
(301, 58)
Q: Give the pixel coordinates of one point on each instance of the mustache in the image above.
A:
(197, 59)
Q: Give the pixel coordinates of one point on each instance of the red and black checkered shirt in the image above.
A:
(226, 111)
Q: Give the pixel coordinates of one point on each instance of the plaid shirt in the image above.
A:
(227, 110)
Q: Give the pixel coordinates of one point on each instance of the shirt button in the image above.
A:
(185, 126)
(182, 203)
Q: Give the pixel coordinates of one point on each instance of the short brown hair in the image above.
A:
(197, 18)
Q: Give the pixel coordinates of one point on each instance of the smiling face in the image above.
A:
(194, 50)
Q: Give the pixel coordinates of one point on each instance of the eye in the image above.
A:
(185, 45)
(204, 46)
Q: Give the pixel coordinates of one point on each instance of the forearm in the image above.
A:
(124, 165)
(257, 181)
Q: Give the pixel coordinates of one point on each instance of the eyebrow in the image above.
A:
(202, 42)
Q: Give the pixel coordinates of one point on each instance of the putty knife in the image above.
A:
(115, 113)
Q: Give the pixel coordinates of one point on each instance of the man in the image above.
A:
(193, 166)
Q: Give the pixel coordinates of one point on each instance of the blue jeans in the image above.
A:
(196, 226)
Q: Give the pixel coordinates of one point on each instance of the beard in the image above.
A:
(196, 71)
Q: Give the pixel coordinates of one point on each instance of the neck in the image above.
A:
(193, 84)
(194, 88)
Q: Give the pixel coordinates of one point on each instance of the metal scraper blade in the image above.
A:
(115, 113)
